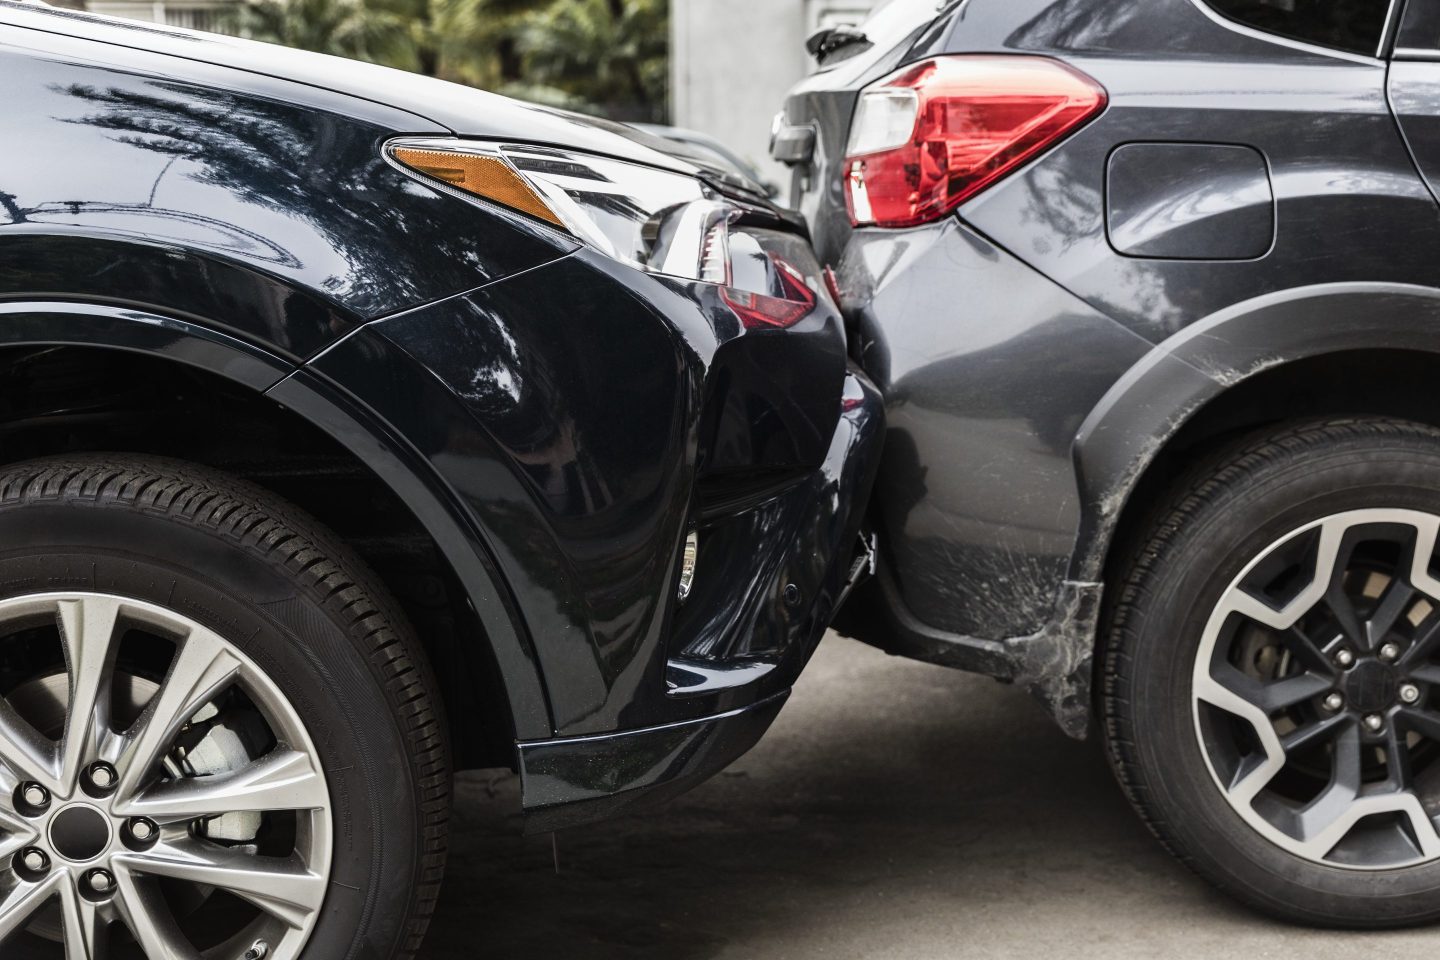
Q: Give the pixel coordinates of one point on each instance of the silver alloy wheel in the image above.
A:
(1316, 691)
(97, 783)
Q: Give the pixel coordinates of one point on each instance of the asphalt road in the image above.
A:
(896, 810)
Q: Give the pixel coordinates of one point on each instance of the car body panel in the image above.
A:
(459, 109)
(1344, 186)
(977, 493)
(555, 420)
(277, 220)
(573, 476)
(1035, 365)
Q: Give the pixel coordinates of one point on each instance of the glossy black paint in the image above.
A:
(555, 421)
(1040, 350)
(562, 789)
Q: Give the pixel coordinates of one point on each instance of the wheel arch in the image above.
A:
(1333, 349)
(275, 393)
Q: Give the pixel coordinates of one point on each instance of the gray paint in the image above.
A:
(1244, 202)
(1189, 201)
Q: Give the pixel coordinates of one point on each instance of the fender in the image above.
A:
(1145, 409)
(327, 407)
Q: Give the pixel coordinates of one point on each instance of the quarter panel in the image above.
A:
(1125, 431)
(987, 370)
(1346, 191)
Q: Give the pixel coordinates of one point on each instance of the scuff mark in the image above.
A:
(1055, 664)
(1229, 377)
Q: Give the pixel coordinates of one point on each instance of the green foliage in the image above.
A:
(610, 52)
(601, 56)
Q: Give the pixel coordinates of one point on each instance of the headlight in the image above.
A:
(652, 219)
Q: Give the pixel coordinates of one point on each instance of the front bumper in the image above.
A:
(794, 560)
(586, 417)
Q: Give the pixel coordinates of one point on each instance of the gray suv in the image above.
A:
(1153, 295)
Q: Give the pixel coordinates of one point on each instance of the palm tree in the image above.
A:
(346, 28)
(611, 54)
(602, 56)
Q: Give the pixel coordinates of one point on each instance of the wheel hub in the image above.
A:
(1312, 690)
(80, 833)
(130, 801)
(1372, 686)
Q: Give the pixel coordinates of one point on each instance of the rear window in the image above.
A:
(1354, 25)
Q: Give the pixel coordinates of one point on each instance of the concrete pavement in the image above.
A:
(896, 810)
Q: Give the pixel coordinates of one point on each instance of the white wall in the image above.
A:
(731, 62)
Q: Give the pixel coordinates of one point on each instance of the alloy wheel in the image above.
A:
(1316, 691)
(156, 789)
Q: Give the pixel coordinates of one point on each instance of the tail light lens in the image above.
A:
(935, 133)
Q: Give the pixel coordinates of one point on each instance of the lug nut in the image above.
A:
(100, 881)
(1334, 702)
(143, 830)
(1374, 722)
(1390, 652)
(102, 776)
(35, 795)
(35, 860)
(1344, 658)
(1409, 692)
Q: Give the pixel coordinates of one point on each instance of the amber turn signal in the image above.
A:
(484, 176)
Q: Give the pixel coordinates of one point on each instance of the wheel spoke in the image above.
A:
(1424, 646)
(144, 911)
(87, 934)
(1309, 654)
(1275, 695)
(1342, 608)
(202, 668)
(1424, 722)
(1324, 821)
(17, 834)
(23, 900)
(87, 628)
(1398, 775)
(1393, 602)
(26, 754)
(1313, 733)
(284, 779)
(285, 888)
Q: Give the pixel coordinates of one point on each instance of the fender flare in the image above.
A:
(325, 406)
(1147, 407)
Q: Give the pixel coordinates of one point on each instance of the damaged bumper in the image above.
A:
(769, 580)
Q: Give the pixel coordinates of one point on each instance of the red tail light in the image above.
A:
(935, 133)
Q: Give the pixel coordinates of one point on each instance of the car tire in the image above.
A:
(315, 674)
(1194, 669)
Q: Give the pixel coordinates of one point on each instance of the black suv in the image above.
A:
(1151, 291)
(356, 427)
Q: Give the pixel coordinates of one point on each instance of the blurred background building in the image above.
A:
(717, 66)
(731, 62)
